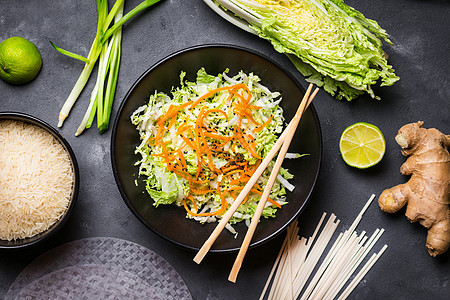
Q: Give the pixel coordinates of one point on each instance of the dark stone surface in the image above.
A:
(420, 31)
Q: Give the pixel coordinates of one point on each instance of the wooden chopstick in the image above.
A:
(237, 202)
(273, 175)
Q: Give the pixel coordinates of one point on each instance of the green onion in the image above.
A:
(70, 54)
(145, 4)
(107, 49)
(112, 79)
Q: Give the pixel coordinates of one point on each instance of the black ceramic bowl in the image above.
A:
(169, 221)
(28, 242)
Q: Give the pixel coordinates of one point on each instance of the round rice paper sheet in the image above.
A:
(89, 282)
(114, 253)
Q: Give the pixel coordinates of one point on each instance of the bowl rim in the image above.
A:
(19, 116)
(156, 65)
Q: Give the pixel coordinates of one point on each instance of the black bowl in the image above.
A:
(169, 221)
(31, 241)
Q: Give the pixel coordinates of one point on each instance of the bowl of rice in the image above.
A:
(39, 180)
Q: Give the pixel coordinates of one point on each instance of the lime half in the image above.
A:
(362, 145)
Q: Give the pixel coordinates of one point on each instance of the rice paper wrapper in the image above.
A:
(89, 282)
(82, 267)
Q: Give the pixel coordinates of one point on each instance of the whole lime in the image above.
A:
(20, 60)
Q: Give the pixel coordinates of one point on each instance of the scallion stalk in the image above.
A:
(70, 54)
(145, 4)
(113, 75)
(102, 7)
(107, 47)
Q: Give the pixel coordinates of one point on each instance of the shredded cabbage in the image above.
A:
(166, 186)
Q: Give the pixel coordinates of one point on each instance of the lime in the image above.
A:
(362, 145)
(20, 60)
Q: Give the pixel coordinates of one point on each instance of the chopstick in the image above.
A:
(273, 175)
(237, 202)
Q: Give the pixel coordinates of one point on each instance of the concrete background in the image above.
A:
(420, 31)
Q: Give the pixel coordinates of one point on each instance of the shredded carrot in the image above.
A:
(208, 143)
(172, 112)
(225, 170)
(259, 128)
(213, 213)
(200, 192)
(193, 202)
(181, 156)
(150, 140)
(268, 199)
(215, 91)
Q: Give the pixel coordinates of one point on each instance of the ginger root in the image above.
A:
(427, 192)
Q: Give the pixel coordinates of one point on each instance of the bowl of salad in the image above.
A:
(192, 130)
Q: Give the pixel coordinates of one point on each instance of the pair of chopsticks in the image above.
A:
(283, 142)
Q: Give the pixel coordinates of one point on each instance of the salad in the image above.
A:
(201, 144)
